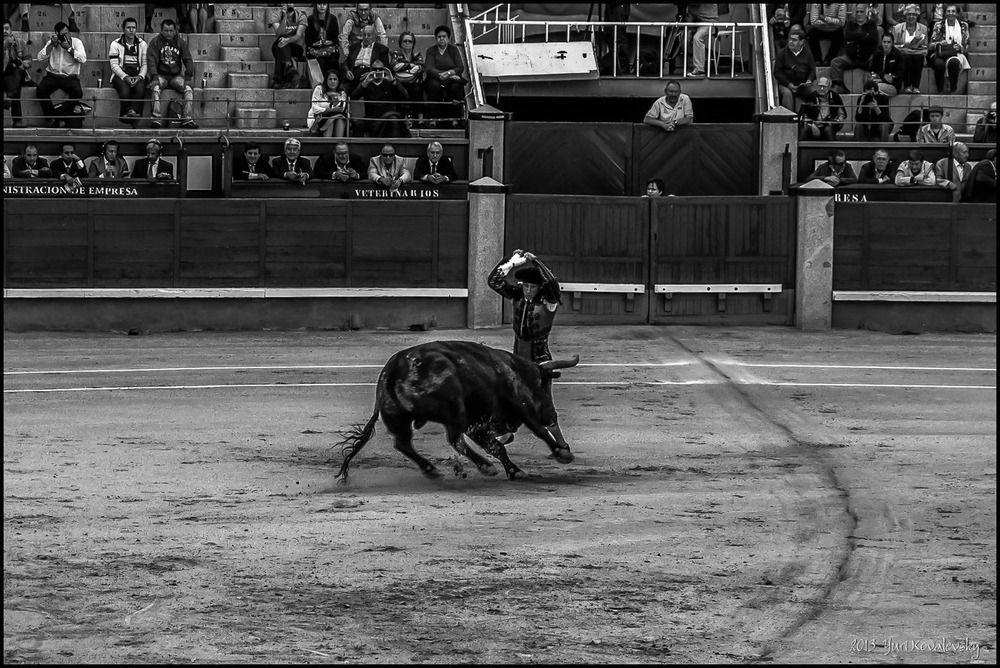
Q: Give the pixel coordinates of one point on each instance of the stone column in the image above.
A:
(487, 210)
(486, 139)
(814, 257)
(779, 131)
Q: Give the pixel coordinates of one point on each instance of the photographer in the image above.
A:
(873, 121)
(380, 90)
(64, 54)
(15, 64)
(986, 127)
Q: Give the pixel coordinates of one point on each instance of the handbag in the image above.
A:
(948, 50)
(321, 49)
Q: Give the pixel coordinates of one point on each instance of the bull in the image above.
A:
(465, 387)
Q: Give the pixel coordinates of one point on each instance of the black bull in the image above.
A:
(465, 387)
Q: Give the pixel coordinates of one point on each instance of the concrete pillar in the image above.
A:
(779, 132)
(814, 257)
(486, 142)
(487, 211)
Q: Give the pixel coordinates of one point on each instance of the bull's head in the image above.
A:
(560, 448)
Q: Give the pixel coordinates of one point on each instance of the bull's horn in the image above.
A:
(552, 365)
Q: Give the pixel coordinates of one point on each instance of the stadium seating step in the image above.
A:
(249, 81)
(240, 53)
(255, 118)
(236, 26)
(983, 88)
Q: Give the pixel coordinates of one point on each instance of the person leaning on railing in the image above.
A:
(961, 170)
(64, 55)
(30, 165)
(916, 171)
(982, 184)
(671, 110)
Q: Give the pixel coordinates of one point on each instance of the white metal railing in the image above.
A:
(461, 15)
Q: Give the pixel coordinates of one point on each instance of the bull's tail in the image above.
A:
(355, 439)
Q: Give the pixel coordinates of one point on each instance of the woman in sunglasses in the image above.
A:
(408, 65)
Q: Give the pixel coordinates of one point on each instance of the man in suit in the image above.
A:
(361, 57)
(69, 168)
(108, 165)
(879, 170)
(982, 183)
(251, 166)
(291, 166)
(434, 168)
(387, 169)
(960, 170)
(30, 165)
(341, 165)
(152, 167)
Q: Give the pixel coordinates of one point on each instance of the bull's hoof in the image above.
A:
(517, 474)
(563, 455)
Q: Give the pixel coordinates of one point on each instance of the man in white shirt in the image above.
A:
(671, 110)
(64, 55)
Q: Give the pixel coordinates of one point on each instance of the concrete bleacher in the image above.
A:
(233, 66)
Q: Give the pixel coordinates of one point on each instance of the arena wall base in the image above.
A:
(227, 314)
(915, 318)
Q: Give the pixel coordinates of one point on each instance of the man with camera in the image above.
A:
(361, 58)
(64, 54)
(381, 90)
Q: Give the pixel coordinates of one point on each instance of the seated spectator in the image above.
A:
(200, 16)
(152, 167)
(935, 12)
(886, 67)
(872, 119)
(361, 58)
(165, 56)
(323, 36)
(289, 26)
(953, 172)
(861, 41)
(63, 56)
(982, 184)
(916, 171)
(407, 65)
(826, 22)
(444, 83)
(794, 70)
(822, 115)
(836, 170)
(380, 91)
(291, 166)
(655, 188)
(986, 127)
(911, 124)
(782, 17)
(935, 132)
(895, 14)
(671, 110)
(328, 113)
(879, 170)
(435, 167)
(15, 64)
(949, 41)
(251, 165)
(388, 169)
(701, 12)
(129, 69)
(69, 168)
(911, 38)
(30, 165)
(108, 165)
(354, 26)
(341, 165)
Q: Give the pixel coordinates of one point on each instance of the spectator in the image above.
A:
(861, 41)
(910, 37)
(6, 170)
(836, 170)
(354, 25)
(328, 114)
(291, 166)
(655, 188)
(916, 171)
(64, 55)
(872, 119)
(949, 40)
(953, 172)
(986, 127)
(822, 115)
(826, 22)
(251, 165)
(129, 71)
(671, 110)
(166, 54)
(408, 67)
(434, 168)
(15, 64)
(341, 165)
(380, 91)
(30, 165)
(982, 183)
(794, 70)
(361, 58)
(69, 168)
(895, 14)
(200, 16)
(782, 17)
(886, 67)
(935, 132)
(289, 27)
(444, 66)
(911, 124)
(388, 169)
(880, 170)
(153, 167)
(932, 13)
(705, 12)
(322, 35)
(108, 165)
